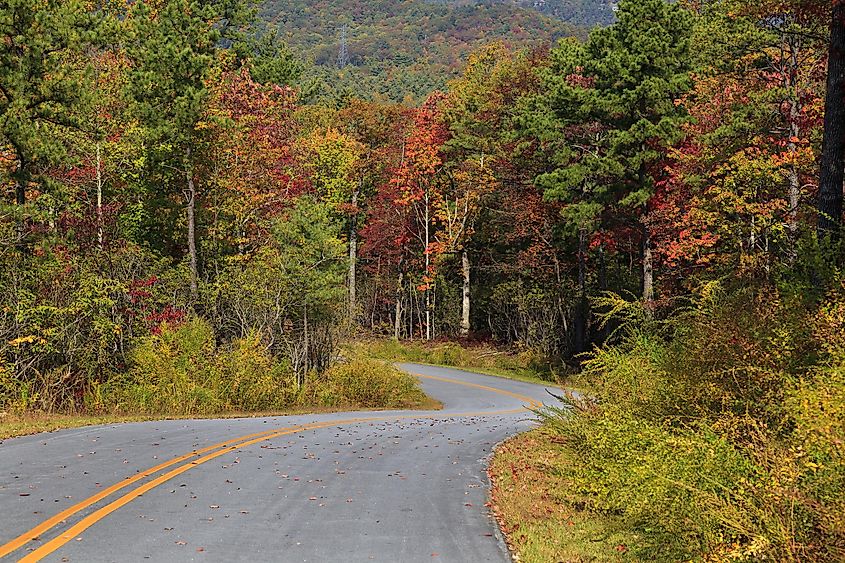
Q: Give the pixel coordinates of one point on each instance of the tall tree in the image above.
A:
(417, 179)
(333, 161)
(42, 77)
(173, 47)
(833, 150)
(625, 80)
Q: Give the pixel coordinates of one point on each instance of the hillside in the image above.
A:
(587, 13)
(407, 48)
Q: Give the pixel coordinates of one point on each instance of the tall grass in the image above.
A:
(184, 371)
(722, 438)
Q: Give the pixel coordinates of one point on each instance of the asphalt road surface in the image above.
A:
(378, 486)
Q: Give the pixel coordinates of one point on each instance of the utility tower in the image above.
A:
(343, 52)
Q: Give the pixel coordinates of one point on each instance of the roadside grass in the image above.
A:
(481, 358)
(541, 516)
(168, 388)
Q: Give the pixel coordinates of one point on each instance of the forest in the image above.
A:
(651, 212)
(402, 51)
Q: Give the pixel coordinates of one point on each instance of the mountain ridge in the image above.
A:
(406, 48)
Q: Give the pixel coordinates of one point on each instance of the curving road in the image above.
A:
(387, 486)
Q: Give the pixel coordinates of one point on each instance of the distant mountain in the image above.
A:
(582, 13)
(407, 48)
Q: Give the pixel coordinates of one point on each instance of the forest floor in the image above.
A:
(540, 516)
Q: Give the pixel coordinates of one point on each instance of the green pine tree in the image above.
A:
(43, 78)
(612, 109)
(174, 50)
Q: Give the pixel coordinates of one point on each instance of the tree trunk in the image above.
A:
(190, 210)
(21, 183)
(99, 199)
(307, 344)
(353, 260)
(833, 147)
(465, 309)
(411, 294)
(789, 70)
(582, 306)
(397, 320)
(603, 285)
(427, 270)
(648, 271)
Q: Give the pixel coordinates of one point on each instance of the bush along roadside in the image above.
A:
(183, 371)
(717, 436)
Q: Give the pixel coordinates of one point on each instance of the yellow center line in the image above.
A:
(527, 399)
(222, 448)
(35, 532)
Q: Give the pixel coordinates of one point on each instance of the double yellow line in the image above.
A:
(199, 457)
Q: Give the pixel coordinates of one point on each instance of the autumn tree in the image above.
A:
(473, 111)
(417, 181)
(252, 163)
(333, 163)
(622, 85)
(42, 79)
(173, 49)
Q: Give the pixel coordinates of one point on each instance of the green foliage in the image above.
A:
(67, 324)
(401, 51)
(363, 383)
(724, 438)
(612, 102)
(269, 58)
(43, 79)
(173, 48)
(291, 290)
(182, 371)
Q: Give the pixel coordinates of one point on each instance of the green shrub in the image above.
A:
(364, 383)
(182, 372)
(719, 434)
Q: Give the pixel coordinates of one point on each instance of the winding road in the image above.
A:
(390, 486)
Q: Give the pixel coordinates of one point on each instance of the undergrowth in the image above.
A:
(718, 435)
(184, 371)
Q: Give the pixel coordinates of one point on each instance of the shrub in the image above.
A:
(719, 434)
(364, 383)
(182, 372)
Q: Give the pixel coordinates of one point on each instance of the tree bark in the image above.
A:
(648, 270)
(397, 320)
(582, 307)
(465, 308)
(22, 179)
(427, 269)
(99, 198)
(190, 210)
(353, 260)
(833, 147)
(307, 342)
